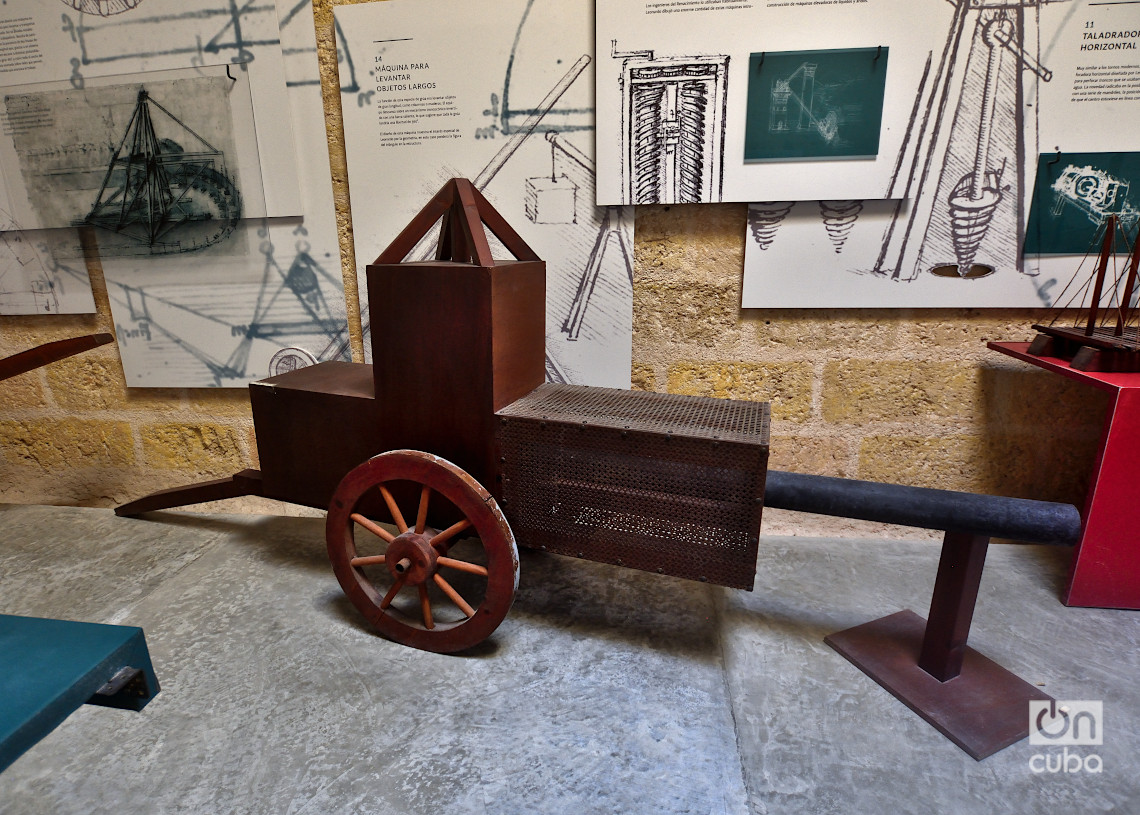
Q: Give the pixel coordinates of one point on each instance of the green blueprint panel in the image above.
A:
(1073, 195)
(815, 104)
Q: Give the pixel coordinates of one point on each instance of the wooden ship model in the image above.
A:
(1105, 336)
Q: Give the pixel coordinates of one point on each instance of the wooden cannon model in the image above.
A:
(451, 434)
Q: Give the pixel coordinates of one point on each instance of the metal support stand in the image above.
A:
(927, 665)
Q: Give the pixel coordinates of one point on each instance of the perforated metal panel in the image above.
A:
(661, 482)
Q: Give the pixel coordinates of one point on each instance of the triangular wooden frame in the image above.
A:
(464, 212)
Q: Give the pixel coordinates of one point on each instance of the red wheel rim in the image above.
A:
(395, 588)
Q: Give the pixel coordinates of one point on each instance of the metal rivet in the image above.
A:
(703, 579)
(619, 563)
(580, 555)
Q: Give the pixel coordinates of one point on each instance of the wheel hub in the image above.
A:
(412, 558)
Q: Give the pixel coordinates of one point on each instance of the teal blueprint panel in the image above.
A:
(815, 104)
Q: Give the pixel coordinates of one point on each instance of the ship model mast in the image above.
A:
(1106, 334)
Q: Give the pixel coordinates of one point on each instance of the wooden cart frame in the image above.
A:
(450, 449)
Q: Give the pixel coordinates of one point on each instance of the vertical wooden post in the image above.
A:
(1101, 266)
(1124, 314)
(952, 605)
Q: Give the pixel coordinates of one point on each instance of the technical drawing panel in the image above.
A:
(158, 165)
(42, 271)
(81, 42)
(679, 87)
(674, 109)
(1009, 81)
(181, 329)
(221, 318)
(815, 104)
(1073, 196)
(500, 93)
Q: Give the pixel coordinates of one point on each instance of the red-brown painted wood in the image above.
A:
(952, 604)
(416, 557)
(247, 482)
(49, 352)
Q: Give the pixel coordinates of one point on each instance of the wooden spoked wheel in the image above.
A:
(437, 588)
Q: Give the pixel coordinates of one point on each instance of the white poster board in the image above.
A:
(1008, 84)
(679, 84)
(269, 299)
(52, 42)
(499, 92)
(43, 272)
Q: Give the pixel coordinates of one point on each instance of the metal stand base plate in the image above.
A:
(982, 710)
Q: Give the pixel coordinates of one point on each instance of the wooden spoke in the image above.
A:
(397, 516)
(421, 514)
(378, 531)
(449, 533)
(462, 566)
(371, 560)
(396, 590)
(425, 605)
(450, 591)
(392, 592)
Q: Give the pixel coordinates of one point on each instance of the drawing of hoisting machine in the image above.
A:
(161, 197)
(806, 121)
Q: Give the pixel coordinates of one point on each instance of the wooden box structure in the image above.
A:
(455, 340)
(655, 481)
(453, 419)
(314, 424)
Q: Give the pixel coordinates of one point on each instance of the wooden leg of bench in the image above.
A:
(952, 605)
(247, 482)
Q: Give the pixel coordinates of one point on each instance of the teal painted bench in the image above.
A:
(52, 667)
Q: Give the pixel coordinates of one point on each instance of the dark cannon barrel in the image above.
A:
(990, 515)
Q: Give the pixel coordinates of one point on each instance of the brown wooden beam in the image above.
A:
(247, 482)
(952, 604)
(50, 352)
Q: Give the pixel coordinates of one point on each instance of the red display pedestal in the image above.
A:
(1106, 565)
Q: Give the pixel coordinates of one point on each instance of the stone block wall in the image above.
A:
(907, 396)
(911, 396)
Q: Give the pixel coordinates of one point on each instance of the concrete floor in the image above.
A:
(606, 690)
